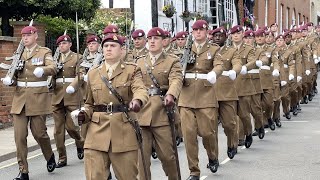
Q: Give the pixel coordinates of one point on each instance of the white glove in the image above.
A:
(299, 78)
(74, 116)
(308, 72)
(316, 61)
(283, 83)
(275, 73)
(38, 72)
(212, 77)
(291, 77)
(85, 78)
(243, 70)
(259, 63)
(7, 81)
(70, 90)
(232, 74)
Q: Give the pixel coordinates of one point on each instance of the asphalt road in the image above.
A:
(291, 152)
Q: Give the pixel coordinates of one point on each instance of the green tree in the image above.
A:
(30, 9)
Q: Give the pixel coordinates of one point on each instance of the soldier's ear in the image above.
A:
(36, 35)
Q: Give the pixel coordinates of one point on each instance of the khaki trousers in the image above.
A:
(267, 104)
(293, 93)
(256, 110)
(63, 122)
(285, 98)
(39, 131)
(97, 164)
(228, 116)
(162, 139)
(245, 126)
(202, 122)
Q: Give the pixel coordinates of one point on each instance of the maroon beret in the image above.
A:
(93, 38)
(219, 29)
(285, 30)
(236, 28)
(173, 39)
(156, 31)
(113, 38)
(182, 34)
(249, 33)
(265, 28)
(280, 36)
(210, 31)
(275, 24)
(317, 26)
(111, 29)
(200, 24)
(167, 34)
(259, 32)
(309, 24)
(29, 30)
(63, 38)
(286, 34)
(138, 33)
(304, 27)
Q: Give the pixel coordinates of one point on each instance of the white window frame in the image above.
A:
(203, 7)
(228, 10)
(287, 18)
(266, 13)
(281, 17)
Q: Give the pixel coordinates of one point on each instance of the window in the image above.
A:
(162, 3)
(266, 13)
(214, 13)
(203, 7)
(277, 11)
(228, 11)
(299, 18)
(287, 18)
(281, 17)
(294, 17)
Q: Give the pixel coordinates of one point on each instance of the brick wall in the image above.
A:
(295, 7)
(7, 46)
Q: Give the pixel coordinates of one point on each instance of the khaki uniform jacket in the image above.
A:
(306, 53)
(265, 55)
(200, 93)
(106, 129)
(315, 48)
(297, 59)
(225, 87)
(69, 70)
(243, 82)
(279, 65)
(134, 54)
(256, 77)
(171, 50)
(36, 100)
(287, 58)
(167, 71)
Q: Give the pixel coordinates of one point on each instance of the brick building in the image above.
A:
(284, 12)
(315, 11)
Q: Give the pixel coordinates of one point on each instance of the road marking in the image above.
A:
(203, 177)
(225, 161)
(295, 121)
(31, 157)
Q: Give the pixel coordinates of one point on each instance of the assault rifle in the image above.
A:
(17, 64)
(186, 57)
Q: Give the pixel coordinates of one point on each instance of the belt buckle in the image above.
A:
(109, 109)
(26, 84)
(196, 76)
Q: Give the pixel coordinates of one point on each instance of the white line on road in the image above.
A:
(31, 157)
(295, 121)
(203, 177)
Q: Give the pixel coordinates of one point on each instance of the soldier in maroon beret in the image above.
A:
(181, 39)
(167, 46)
(32, 100)
(209, 34)
(219, 36)
(270, 38)
(274, 28)
(140, 41)
(248, 37)
(200, 76)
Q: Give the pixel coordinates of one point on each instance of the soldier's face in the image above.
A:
(166, 42)
(219, 38)
(29, 39)
(249, 40)
(294, 35)
(260, 39)
(310, 28)
(269, 39)
(274, 28)
(288, 39)
(200, 35)
(304, 33)
(155, 44)
(237, 37)
(318, 30)
(93, 46)
(64, 46)
(139, 42)
(280, 42)
(181, 42)
(112, 51)
(210, 36)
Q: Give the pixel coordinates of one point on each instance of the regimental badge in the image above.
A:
(158, 32)
(65, 38)
(140, 34)
(95, 39)
(221, 30)
(204, 26)
(209, 55)
(251, 34)
(115, 38)
(114, 30)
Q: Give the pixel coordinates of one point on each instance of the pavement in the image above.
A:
(291, 152)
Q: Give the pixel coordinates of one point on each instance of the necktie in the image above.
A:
(28, 53)
(198, 48)
(153, 60)
(110, 71)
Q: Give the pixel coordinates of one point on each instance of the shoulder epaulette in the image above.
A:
(45, 48)
(130, 63)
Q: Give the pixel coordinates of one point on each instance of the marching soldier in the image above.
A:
(181, 43)
(264, 53)
(256, 108)
(111, 29)
(244, 85)
(139, 41)
(198, 103)
(93, 43)
(111, 138)
(162, 75)
(32, 100)
(65, 100)
(225, 88)
(167, 46)
(314, 64)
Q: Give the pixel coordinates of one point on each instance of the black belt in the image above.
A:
(110, 108)
(157, 91)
